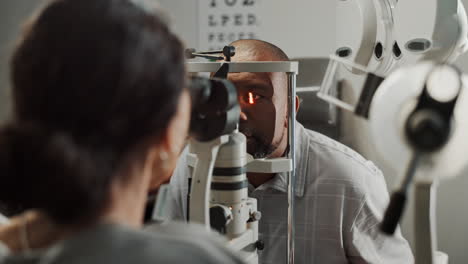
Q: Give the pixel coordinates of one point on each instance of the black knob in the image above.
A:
(260, 245)
(219, 218)
(228, 52)
(189, 53)
(427, 130)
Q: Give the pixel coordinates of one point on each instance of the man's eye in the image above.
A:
(252, 98)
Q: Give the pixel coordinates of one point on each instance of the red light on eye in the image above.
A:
(251, 98)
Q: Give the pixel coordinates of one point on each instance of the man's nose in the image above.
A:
(243, 116)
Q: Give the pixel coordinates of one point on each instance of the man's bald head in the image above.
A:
(257, 50)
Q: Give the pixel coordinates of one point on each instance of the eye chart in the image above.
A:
(224, 21)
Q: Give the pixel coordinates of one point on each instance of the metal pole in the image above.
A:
(292, 156)
(424, 221)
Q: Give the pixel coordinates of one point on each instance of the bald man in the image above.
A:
(340, 197)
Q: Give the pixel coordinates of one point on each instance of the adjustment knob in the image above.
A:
(220, 216)
(255, 216)
(260, 245)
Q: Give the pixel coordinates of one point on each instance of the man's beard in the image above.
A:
(257, 145)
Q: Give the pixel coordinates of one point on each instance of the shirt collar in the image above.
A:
(280, 181)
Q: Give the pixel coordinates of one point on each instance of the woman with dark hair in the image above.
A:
(100, 116)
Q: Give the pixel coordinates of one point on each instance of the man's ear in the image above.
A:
(298, 103)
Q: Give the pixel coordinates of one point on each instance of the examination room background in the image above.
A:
(303, 28)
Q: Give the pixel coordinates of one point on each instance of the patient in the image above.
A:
(339, 196)
(100, 116)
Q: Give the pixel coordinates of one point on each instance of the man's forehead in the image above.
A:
(242, 77)
(274, 80)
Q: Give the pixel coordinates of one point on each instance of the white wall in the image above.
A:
(301, 27)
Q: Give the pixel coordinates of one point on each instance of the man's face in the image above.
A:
(263, 101)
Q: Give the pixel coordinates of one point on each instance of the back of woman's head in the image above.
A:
(92, 79)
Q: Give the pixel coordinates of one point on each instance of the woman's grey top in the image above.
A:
(111, 243)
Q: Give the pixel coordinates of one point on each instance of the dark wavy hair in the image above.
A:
(92, 81)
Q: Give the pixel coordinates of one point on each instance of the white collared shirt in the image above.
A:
(340, 201)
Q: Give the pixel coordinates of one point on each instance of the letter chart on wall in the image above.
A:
(223, 21)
